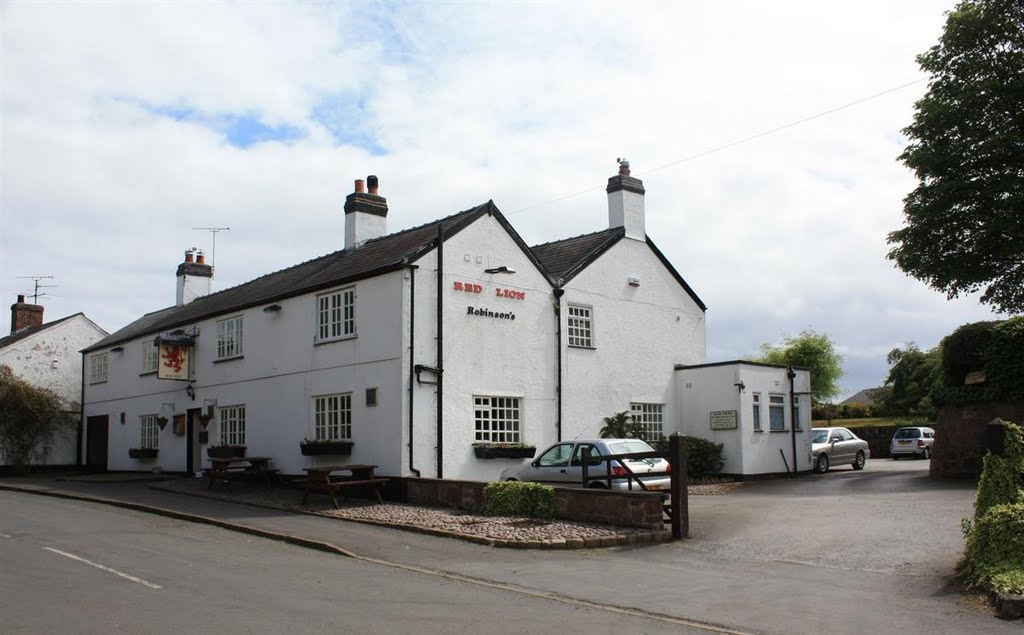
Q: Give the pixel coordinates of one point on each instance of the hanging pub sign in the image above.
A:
(174, 357)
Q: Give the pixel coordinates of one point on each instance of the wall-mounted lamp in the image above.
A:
(272, 308)
(191, 392)
(501, 269)
(117, 349)
(420, 368)
(740, 386)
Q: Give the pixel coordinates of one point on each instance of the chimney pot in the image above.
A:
(371, 182)
(360, 186)
(21, 299)
(200, 258)
(188, 255)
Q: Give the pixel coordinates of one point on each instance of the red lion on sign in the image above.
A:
(174, 357)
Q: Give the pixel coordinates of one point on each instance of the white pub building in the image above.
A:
(413, 351)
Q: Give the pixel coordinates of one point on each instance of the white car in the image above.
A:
(562, 464)
(912, 441)
(836, 446)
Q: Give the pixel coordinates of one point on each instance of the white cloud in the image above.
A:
(453, 104)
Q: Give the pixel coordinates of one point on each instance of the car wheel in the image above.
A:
(858, 463)
(895, 457)
(821, 465)
(927, 454)
(597, 485)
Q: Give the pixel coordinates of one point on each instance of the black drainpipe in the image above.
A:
(793, 413)
(412, 361)
(559, 292)
(81, 418)
(440, 350)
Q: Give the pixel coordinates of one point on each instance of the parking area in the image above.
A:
(888, 518)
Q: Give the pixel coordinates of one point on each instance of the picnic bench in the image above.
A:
(323, 479)
(225, 469)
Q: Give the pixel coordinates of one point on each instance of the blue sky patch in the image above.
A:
(345, 117)
(239, 130)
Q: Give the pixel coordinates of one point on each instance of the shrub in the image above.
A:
(963, 351)
(515, 498)
(30, 420)
(1000, 477)
(856, 411)
(995, 549)
(703, 458)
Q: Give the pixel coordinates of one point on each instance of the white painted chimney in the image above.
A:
(626, 202)
(366, 214)
(195, 277)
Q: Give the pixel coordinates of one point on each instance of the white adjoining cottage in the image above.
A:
(46, 355)
(414, 350)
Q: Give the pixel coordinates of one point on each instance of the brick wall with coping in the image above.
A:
(624, 509)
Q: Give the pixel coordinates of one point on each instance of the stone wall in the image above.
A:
(625, 509)
(960, 437)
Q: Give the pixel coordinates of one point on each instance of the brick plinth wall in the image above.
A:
(960, 437)
(625, 509)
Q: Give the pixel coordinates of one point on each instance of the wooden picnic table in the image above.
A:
(329, 480)
(226, 468)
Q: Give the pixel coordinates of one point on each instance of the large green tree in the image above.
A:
(30, 420)
(965, 220)
(913, 375)
(810, 350)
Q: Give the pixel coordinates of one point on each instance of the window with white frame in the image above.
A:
(757, 412)
(229, 338)
(496, 419)
(776, 413)
(150, 357)
(336, 315)
(332, 417)
(581, 326)
(232, 425)
(98, 368)
(651, 417)
(150, 432)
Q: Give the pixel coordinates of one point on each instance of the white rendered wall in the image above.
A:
(626, 209)
(281, 370)
(747, 451)
(50, 359)
(640, 334)
(361, 227)
(483, 355)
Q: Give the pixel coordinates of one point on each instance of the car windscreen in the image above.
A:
(819, 436)
(908, 433)
(629, 447)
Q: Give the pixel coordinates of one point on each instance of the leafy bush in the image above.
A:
(994, 557)
(1004, 359)
(30, 420)
(856, 411)
(703, 458)
(515, 498)
(963, 351)
(994, 347)
(995, 549)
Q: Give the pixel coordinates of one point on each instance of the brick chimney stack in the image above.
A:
(366, 213)
(195, 278)
(25, 315)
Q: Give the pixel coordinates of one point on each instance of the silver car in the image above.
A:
(562, 464)
(912, 441)
(837, 446)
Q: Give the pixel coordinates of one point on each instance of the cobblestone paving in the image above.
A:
(498, 531)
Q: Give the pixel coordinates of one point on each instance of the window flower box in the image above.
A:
(225, 451)
(503, 451)
(311, 447)
(143, 453)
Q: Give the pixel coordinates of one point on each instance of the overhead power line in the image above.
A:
(731, 144)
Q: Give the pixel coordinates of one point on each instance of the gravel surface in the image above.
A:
(499, 531)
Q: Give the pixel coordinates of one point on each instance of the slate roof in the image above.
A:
(32, 330)
(374, 257)
(866, 396)
(565, 258)
(559, 261)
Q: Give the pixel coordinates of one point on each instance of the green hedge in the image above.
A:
(994, 557)
(516, 498)
(997, 348)
(703, 458)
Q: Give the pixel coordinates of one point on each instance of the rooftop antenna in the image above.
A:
(36, 286)
(213, 252)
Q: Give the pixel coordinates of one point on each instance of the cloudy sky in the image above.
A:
(124, 125)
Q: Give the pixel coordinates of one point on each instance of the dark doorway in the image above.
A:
(96, 443)
(193, 456)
